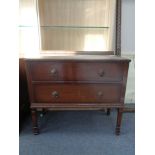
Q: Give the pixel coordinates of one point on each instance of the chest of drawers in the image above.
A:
(77, 83)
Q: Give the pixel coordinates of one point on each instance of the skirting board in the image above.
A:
(129, 108)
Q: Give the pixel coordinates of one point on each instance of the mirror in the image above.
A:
(77, 25)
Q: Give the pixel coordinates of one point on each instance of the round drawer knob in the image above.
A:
(101, 73)
(53, 71)
(55, 94)
(100, 94)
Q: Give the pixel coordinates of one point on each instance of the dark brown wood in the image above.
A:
(75, 106)
(108, 111)
(118, 27)
(119, 120)
(77, 84)
(125, 75)
(77, 93)
(75, 71)
(23, 94)
(34, 122)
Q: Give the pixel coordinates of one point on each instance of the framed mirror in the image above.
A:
(80, 26)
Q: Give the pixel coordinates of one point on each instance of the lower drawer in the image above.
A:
(76, 93)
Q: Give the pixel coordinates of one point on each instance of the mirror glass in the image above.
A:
(76, 25)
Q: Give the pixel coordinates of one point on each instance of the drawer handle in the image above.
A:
(55, 94)
(100, 94)
(53, 71)
(101, 73)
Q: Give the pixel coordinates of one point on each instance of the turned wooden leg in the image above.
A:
(108, 111)
(34, 122)
(119, 120)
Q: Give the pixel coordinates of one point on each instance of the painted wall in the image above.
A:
(128, 45)
(128, 26)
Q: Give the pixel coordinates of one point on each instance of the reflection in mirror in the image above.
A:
(77, 25)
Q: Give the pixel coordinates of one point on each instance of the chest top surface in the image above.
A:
(76, 57)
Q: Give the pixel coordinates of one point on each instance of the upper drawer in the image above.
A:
(75, 71)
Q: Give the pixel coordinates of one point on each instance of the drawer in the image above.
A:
(76, 71)
(76, 93)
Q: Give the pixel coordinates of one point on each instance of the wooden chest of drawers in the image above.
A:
(77, 83)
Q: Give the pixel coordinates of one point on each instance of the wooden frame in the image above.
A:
(117, 50)
(118, 27)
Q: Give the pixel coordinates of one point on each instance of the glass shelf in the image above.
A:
(83, 27)
(25, 26)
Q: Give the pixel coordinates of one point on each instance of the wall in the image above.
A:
(128, 45)
(128, 26)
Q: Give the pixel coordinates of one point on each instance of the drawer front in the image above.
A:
(76, 93)
(76, 71)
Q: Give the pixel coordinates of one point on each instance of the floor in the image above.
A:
(79, 133)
